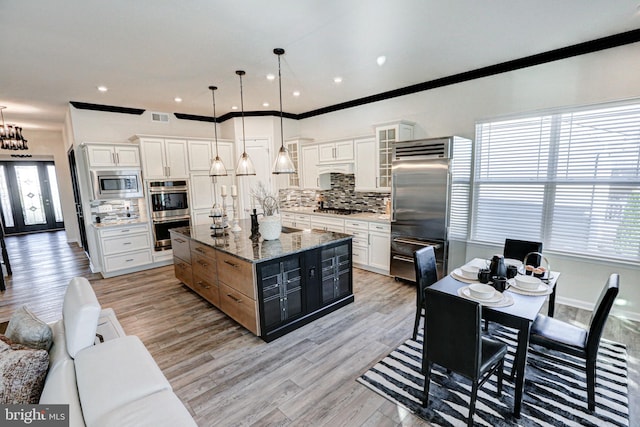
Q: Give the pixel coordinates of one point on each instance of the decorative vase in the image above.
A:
(270, 227)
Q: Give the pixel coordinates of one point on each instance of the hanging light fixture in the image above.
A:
(245, 165)
(283, 163)
(217, 167)
(11, 136)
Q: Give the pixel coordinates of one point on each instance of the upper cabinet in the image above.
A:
(339, 151)
(310, 157)
(164, 158)
(374, 156)
(112, 155)
(202, 153)
(294, 146)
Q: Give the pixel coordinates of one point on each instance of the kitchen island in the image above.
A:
(269, 287)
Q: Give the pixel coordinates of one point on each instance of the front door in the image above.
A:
(29, 197)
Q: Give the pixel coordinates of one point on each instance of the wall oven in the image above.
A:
(169, 205)
(116, 184)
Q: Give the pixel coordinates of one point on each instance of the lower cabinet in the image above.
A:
(281, 289)
(336, 272)
(124, 248)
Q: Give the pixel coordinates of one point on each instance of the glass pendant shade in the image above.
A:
(245, 166)
(217, 167)
(283, 163)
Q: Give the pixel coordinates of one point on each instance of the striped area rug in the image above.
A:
(555, 394)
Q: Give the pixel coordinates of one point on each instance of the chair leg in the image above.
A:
(499, 373)
(417, 322)
(591, 384)
(472, 403)
(427, 383)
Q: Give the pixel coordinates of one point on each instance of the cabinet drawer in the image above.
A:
(181, 247)
(356, 225)
(360, 242)
(128, 260)
(206, 288)
(120, 231)
(356, 233)
(380, 227)
(239, 307)
(133, 242)
(360, 255)
(204, 250)
(288, 215)
(204, 267)
(183, 271)
(236, 273)
(328, 224)
(302, 218)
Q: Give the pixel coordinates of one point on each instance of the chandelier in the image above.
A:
(11, 136)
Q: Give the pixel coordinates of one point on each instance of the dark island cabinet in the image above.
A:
(296, 289)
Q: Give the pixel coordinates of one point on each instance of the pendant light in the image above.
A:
(283, 163)
(217, 167)
(245, 165)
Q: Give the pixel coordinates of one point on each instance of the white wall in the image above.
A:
(453, 110)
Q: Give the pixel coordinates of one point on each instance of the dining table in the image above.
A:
(518, 315)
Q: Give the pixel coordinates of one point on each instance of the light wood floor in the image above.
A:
(228, 377)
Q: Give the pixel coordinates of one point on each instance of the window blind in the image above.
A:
(569, 179)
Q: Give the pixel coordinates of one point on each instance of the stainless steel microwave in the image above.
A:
(116, 184)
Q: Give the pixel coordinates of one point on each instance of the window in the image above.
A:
(569, 179)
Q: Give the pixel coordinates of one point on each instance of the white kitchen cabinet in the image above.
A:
(202, 153)
(296, 220)
(124, 248)
(339, 151)
(379, 246)
(310, 160)
(112, 155)
(360, 242)
(326, 223)
(164, 158)
(293, 147)
(366, 165)
(386, 135)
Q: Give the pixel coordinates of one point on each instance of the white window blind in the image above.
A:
(569, 179)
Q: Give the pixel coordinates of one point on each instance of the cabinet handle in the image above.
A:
(200, 250)
(125, 231)
(199, 283)
(318, 182)
(202, 263)
(129, 260)
(179, 240)
(126, 243)
(231, 264)
(117, 158)
(377, 181)
(168, 170)
(238, 300)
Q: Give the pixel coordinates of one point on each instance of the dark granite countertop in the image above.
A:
(239, 244)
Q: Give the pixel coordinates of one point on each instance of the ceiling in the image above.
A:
(147, 52)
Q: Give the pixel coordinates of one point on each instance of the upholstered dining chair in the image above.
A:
(518, 249)
(424, 261)
(583, 343)
(453, 340)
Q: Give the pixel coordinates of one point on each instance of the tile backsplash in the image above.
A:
(342, 195)
(115, 210)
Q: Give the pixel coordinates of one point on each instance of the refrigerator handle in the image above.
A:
(393, 200)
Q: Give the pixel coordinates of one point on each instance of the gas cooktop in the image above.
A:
(336, 211)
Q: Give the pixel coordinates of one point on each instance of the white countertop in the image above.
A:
(365, 216)
(120, 222)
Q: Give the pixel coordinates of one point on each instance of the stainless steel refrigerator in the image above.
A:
(430, 185)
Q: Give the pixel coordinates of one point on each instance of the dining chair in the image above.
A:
(583, 343)
(518, 249)
(453, 340)
(424, 261)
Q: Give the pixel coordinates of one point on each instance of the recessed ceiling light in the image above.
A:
(234, 107)
(271, 76)
(296, 93)
(381, 60)
(177, 99)
(337, 80)
(103, 88)
(265, 104)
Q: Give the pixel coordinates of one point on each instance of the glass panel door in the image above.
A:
(30, 197)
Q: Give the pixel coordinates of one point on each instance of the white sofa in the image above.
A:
(110, 383)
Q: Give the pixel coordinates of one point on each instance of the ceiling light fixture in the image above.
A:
(381, 60)
(296, 93)
(102, 88)
(177, 99)
(245, 165)
(337, 80)
(11, 136)
(283, 162)
(217, 167)
(271, 77)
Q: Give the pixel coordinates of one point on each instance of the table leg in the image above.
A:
(552, 301)
(520, 362)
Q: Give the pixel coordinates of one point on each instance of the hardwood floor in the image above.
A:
(227, 376)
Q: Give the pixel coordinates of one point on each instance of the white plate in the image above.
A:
(457, 274)
(541, 289)
(511, 261)
(497, 296)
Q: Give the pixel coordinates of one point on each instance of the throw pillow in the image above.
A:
(25, 328)
(22, 373)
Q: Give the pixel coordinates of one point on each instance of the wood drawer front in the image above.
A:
(379, 227)
(204, 250)
(239, 307)
(207, 289)
(236, 273)
(121, 244)
(128, 260)
(204, 267)
(181, 247)
(183, 272)
(121, 231)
